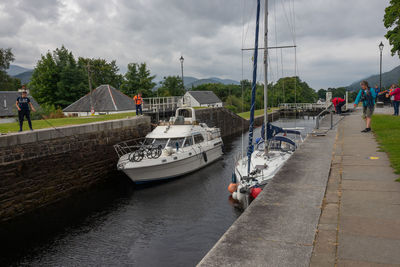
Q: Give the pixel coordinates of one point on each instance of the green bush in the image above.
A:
(231, 108)
(47, 111)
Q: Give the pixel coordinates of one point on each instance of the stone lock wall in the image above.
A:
(229, 122)
(41, 167)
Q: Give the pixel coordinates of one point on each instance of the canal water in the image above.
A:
(172, 223)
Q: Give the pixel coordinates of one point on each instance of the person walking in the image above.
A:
(395, 93)
(138, 101)
(367, 96)
(338, 103)
(23, 103)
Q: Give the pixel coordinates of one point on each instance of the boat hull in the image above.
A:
(175, 168)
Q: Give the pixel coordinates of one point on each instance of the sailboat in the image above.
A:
(275, 146)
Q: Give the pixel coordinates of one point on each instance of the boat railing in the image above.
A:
(137, 149)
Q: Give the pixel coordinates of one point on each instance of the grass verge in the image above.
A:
(41, 124)
(387, 132)
(258, 112)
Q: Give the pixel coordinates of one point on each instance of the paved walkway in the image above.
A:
(279, 227)
(360, 220)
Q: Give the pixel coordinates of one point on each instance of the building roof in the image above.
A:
(205, 97)
(7, 103)
(104, 98)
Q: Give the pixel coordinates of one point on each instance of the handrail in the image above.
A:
(162, 103)
(321, 113)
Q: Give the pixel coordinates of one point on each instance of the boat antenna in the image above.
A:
(250, 148)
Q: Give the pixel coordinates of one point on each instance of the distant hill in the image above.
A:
(15, 70)
(25, 77)
(190, 82)
(388, 78)
(198, 82)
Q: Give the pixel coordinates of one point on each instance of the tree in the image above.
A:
(138, 79)
(391, 21)
(101, 72)
(7, 83)
(292, 90)
(321, 93)
(57, 79)
(171, 86)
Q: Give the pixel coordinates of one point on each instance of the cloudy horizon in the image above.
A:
(337, 41)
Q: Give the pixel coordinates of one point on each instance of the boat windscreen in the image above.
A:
(160, 141)
(148, 141)
(173, 141)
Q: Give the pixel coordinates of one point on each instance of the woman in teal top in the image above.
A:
(367, 95)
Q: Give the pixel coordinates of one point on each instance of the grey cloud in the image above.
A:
(207, 33)
(41, 10)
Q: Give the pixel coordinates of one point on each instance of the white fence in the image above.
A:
(303, 106)
(159, 104)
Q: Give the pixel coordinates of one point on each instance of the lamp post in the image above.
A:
(181, 60)
(380, 69)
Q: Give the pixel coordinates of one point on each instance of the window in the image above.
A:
(173, 141)
(198, 138)
(148, 141)
(161, 141)
(188, 141)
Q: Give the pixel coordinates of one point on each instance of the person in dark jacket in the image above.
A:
(367, 96)
(23, 103)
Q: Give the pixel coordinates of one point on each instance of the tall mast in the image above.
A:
(250, 148)
(266, 76)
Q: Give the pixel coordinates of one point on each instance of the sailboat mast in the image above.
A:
(266, 76)
(250, 148)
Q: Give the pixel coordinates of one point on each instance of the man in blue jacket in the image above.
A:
(22, 104)
(367, 95)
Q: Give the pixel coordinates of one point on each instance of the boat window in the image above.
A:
(160, 141)
(173, 141)
(198, 138)
(148, 141)
(188, 141)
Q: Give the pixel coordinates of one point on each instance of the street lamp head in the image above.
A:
(181, 59)
(381, 46)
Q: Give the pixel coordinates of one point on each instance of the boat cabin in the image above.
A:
(183, 116)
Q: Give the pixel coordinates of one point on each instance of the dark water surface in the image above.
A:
(172, 223)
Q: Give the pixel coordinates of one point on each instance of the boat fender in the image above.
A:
(205, 156)
(232, 187)
(255, 192)
(240, 197)
(234, 195)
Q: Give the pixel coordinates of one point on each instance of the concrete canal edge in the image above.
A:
(279, 227)
(44, 166)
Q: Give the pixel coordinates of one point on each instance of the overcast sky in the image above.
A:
(337, 40)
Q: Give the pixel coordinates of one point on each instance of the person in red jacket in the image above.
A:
(396, 99)
(338, 104)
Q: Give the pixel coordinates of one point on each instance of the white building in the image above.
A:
(202, 99)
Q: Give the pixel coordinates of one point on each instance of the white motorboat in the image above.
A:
(173, 148)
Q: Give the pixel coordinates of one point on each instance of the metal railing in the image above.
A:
(328, 109)
(159, 104)
(302, 106)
